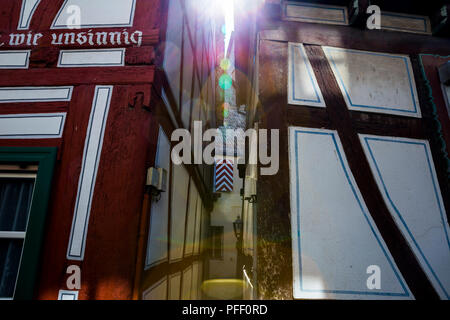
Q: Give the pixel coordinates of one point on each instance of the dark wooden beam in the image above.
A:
(352, 38)
(77, 76)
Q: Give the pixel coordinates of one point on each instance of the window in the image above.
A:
(16, 191)
(217, 242)
(25, 184)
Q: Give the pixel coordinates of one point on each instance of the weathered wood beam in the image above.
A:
(77, 76)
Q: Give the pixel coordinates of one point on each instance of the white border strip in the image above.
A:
(25, 24)
(35, 94)
(32, 126)
(309, 76)
(15, 59)
(394, 18)
(96, 25)
(67, 295)
(317, 13)
(91, 159)
(91, 58)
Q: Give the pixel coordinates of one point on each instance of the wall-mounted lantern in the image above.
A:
(156, 181)
(237, 226)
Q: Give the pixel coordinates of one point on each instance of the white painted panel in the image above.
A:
(375, 82)
(334, 238)
(159, 212)
(446, 93)
(156, 292)
(180, 181)
(35, 94)
(192, 211)
(26, 13)
(32, 126)
(92, 58)
(406, 177)
(91, 159)
(198, 217)
(67, 295)
(175, 286)
(195, 280)
(168, 108)
(119, 13)
(172, 48)
(14, 59)
(188, 65)
(405, 23)
(200, 281)
(309, 12)
(186, 284)
(303, 88)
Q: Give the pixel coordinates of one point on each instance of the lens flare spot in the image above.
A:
(224, 29)
(226, 109)
(225, 82)
(225, 64)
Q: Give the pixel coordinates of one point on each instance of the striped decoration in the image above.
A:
(224, 175)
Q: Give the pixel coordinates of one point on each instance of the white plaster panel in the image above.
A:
(14, 59)
(375, 82)
(172, 48)
(67, 295)
(405, 174)
(159, 213)
(180, 181)
(35, 94)
(175, 286)
(309, 12)
(26, 13)
(188, 64)
(88, 175)
(195, 280)
(192, 212)
(92, 58)
(186, 284)
(446, 93)
(156, 292)
(32, 126)
(405, 23)
(198, 217)
(120, 13)
(334, 239)
(303, 88)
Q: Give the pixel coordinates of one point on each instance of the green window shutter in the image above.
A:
(45, 158)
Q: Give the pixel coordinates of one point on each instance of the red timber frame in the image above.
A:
(112, 267)
(274, 252)
(129, 146)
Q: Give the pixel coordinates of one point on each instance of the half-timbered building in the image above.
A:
(359, 91)
(90, 92)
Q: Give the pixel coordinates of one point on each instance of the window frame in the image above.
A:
(45, 158)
